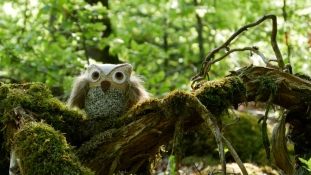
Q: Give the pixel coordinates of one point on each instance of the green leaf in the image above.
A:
(172, 164)
(45, 10)
(62, 2)
(307, 163)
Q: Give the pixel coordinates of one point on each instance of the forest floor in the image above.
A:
(233, 168)
(201, 169)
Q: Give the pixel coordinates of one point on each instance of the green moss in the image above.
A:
(42, 150)
(137, 111)
(175, 104)
(219, 95)
(28, 95)
(267, 85)
(267, 88)
(90, 148)
(38, 104)
(38, 101)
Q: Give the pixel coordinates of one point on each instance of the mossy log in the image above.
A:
(131, 143)
(290, 90)
(293, 93)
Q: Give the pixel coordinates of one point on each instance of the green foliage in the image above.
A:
(307, 163)
(172, 164)
(52, 41)
(245, 137)
(42, 40)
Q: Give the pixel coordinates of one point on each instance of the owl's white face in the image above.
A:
(109, 75)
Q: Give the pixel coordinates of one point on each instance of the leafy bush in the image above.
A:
(245, 137)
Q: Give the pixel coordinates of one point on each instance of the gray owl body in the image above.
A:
(99, 104)
(106, 90)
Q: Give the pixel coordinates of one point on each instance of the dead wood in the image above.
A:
(210, 58)
(292, 90)
(294, 95)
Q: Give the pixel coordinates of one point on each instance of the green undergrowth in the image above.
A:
(42, 150)
(245, 137)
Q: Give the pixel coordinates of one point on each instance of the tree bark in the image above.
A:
(103, 55)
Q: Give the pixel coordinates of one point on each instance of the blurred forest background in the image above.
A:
(52, 41)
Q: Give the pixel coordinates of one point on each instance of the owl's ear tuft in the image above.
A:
(129, 69)
(78, 92)
(136, 91)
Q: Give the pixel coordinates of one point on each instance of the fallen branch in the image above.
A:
(132, 142)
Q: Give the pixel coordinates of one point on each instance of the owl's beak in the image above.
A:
(105, 85)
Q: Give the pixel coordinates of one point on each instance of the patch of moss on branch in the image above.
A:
(90, 148)
(268, 89)
(219, 95)
(267, 86)
(36, 98)
(42, 150)
(175, 104)
(32, 102)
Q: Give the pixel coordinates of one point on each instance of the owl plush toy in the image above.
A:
(106, 90)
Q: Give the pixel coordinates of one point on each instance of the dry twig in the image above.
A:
(237, 119)
(220, 139)
(208, 61)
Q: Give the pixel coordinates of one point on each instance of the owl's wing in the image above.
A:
(78, 92)
(136, 91)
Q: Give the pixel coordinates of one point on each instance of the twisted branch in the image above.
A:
(208, 59)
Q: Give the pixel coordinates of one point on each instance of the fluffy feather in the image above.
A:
(78, 92)
(136, 91)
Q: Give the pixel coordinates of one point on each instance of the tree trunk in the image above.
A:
(103, 55)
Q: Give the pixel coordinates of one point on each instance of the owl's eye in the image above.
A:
(119, 77)
(94, 75)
